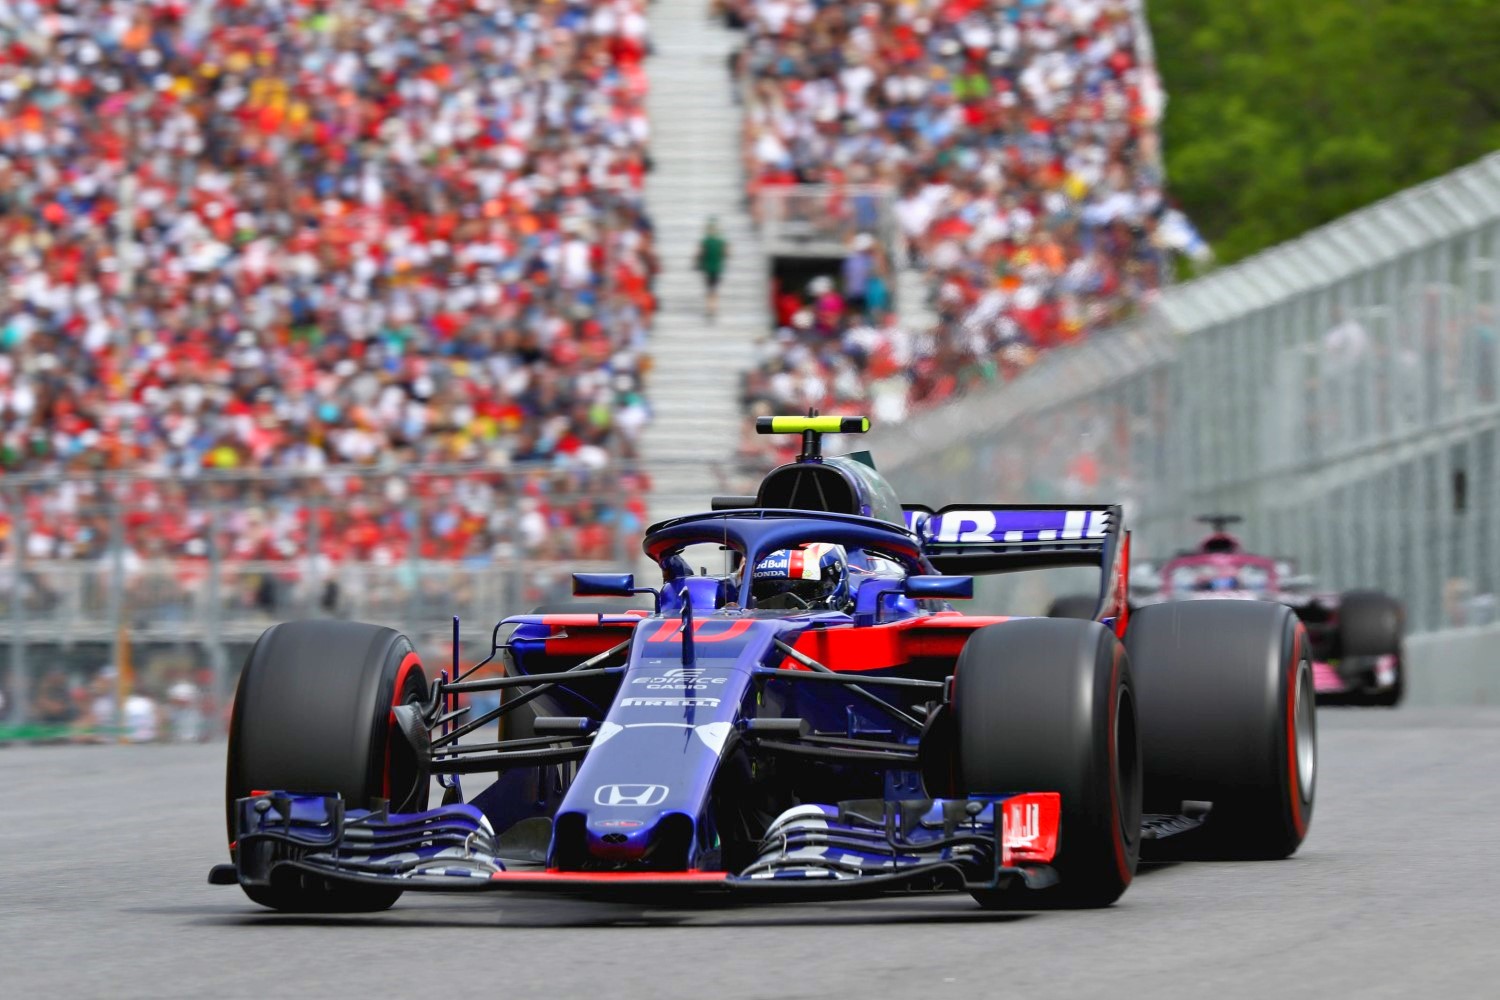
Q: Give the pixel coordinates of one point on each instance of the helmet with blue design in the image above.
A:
(814, 576)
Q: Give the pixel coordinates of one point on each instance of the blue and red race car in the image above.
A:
(805, 715)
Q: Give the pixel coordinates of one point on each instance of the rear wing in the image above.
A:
(1006, 538)
(1002, 538)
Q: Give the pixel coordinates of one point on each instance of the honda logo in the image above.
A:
(630, 795)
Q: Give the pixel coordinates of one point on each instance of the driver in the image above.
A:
(1218, 580)
(814, 576)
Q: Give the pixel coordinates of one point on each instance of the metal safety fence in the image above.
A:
(117, 586)
(1341, 392)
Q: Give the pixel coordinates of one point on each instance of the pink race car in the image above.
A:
(1356, 635)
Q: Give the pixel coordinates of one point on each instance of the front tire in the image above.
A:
(1048, 705)
(1371, 624)
(1227, 716)
(312, 714)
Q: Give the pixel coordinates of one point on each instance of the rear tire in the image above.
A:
(312, 714)
(1227, 716)
(1048, 705)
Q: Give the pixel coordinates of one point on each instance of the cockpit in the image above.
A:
(1215, 574)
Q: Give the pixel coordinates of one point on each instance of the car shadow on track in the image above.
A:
(561, 912)
(566, 913)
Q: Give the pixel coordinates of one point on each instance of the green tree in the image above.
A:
(1285, 114)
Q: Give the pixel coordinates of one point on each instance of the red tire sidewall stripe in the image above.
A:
(1121, 862)
(408, 663)
(1294, 786)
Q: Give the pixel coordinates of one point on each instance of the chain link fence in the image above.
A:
(1339, 392)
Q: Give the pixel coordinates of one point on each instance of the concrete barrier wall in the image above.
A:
(1454, 667)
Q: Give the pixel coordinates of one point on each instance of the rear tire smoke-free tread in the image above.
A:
(1227, 716)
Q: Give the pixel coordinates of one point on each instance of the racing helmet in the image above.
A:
(813, 576)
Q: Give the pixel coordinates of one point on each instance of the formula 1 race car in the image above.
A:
(808, 718)
(1356, 636)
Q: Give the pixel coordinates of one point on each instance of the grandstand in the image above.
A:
(300, 238)
(1015, 149)
(332, 308)
(316, 309)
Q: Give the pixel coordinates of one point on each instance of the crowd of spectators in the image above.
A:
(171, 704)
(286, 234)
(1019, 141)
(475, 517)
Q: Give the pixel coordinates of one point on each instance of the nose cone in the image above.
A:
(647, 781)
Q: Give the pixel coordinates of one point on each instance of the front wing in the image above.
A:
(850, 849)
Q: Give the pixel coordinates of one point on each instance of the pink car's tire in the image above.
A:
(1372, 624)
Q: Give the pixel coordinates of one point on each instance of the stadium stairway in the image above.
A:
(912, 308)
(696, 365)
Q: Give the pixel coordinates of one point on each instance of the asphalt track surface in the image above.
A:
(1396, 893)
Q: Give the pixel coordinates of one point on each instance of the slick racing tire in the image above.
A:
(1227, 716)
(1371, 625)
(1048, 705)
(313, 713)
(1073, 606)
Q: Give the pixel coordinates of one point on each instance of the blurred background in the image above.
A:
(407, 309)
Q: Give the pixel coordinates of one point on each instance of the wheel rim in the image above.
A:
(404, 779)
(1306, 736)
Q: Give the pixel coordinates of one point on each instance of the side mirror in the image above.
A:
(604, 585)
(949, 588)
(612, 585)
